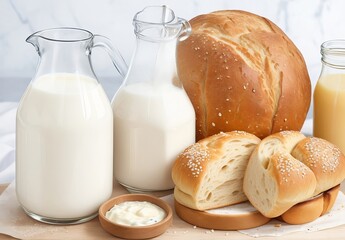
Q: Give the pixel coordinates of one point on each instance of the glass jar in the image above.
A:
(64, 130)
(154, 119)
(329, 95)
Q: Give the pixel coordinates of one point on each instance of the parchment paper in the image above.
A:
(14, 222)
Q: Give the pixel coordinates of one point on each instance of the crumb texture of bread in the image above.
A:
(209, 174)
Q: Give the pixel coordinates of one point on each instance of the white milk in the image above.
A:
(64, 147)
(152, 125)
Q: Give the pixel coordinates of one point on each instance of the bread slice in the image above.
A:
(209, 174)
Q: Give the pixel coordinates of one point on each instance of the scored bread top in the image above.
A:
(242, 72)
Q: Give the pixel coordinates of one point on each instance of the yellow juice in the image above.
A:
(329, 109)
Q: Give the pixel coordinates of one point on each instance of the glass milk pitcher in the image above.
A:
(154, 119)
(329, 95)
(64, 138)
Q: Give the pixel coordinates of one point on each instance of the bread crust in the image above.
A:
(242, 72)
(311, 209)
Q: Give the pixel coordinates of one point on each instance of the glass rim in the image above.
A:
(333, 46)
(170, 21)
(41, 33)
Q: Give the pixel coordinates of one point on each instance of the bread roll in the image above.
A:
(209, 174)
(324, 159)
(311, 209)
(242, 72)
(275, 180)
(304, 212)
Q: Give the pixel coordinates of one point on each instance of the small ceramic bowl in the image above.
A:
(135, 232)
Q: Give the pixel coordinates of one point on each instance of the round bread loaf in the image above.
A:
(242, 72)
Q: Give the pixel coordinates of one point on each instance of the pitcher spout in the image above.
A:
(33, 40)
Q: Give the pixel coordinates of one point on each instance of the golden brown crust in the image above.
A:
(311, 209)
(304, 212)
(329, 198)
(242, 72)
(191, 166)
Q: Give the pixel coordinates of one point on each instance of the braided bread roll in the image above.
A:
(287, 168)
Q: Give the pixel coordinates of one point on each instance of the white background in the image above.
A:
(307, 22)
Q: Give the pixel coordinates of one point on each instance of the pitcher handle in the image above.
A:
(114, 53)
(186, 29)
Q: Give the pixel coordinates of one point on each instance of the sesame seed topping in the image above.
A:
(286, 133)
(213, 124)
(286, 167)
(239, 132)
(196, 154)
(219, 114)
(322, 153)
